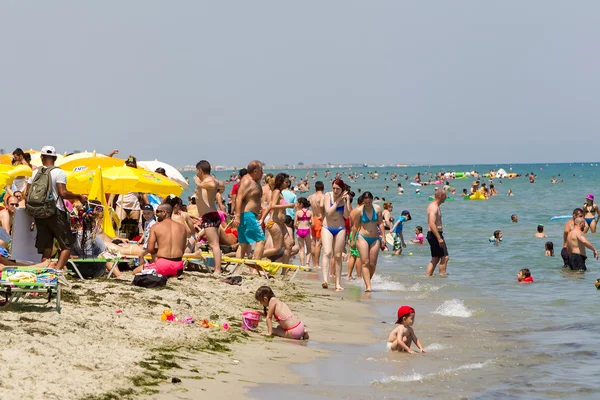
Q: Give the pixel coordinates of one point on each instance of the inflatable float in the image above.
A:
(561, 217)
(389, 239)
(415, 184)
(447, 198)
(475, 196)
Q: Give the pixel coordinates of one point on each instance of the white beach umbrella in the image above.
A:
(171, 171)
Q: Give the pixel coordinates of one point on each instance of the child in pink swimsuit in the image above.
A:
(289, 326)
(302, 222)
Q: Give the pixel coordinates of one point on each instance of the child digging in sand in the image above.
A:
(402, 337)
(290, 325)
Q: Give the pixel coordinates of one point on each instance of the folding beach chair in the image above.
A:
(93, 270)
(16, 282)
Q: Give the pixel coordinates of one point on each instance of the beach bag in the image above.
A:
(149, 279)
(40, 203)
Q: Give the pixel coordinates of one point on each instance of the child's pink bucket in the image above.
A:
(250, 320)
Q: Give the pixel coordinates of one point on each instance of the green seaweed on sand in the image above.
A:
(114, 395)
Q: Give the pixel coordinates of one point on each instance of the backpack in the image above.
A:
(40, 202)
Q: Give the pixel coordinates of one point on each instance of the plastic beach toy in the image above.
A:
(250, 320)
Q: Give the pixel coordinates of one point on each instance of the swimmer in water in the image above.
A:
(510, 193)
(540, 232)
(497, 237)
(590, 209)
(514, 218)
(549, 247)
(419, 238)
(524, 276)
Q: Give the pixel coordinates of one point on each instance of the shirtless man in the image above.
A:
(564, 253)
(318, 210)
(8, 214)
(248, 210)
(184, 218)
(576, 244)
(167, 241)
(206, 193)
(435, 237)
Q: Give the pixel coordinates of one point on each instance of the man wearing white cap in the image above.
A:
(53, 225)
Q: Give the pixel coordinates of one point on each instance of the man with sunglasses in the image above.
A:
(7, 215)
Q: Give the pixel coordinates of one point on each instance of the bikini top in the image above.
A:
(364, 219)
(587, 209)
(283, 319)
(304, 217)
(339, 209)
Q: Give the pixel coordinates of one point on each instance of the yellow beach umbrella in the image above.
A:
(5, 180)
(19, 170)
(6, 159)
(121, 180)
(36, 160)
(88, 161)
(97, 194)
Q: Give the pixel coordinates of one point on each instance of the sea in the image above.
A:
(486, 336)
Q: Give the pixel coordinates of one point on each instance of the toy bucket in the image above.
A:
(250, 320)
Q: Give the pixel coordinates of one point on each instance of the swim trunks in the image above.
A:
(167, 267)
(397, 242)
(564, 253)
(210, 220)
(249, 230)
(577, 262)
(315, 229)
(437, 250)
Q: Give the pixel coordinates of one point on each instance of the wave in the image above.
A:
(415, 376)
(450, 371)
(402, 378)
(420, 287)
(386, 284)
(437, 347)
(454, 308)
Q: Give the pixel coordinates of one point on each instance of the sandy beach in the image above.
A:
(109, 341)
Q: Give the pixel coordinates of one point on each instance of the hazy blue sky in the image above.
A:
(312, 81)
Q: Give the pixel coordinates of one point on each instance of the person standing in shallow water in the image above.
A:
(367, 235)
(435, 237)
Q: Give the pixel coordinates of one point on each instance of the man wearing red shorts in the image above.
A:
(168, 240)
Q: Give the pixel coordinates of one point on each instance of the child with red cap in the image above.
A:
(403, 336)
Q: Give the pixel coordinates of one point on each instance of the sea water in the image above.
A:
(486, 336)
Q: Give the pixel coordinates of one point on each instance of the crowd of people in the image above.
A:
(263, 217)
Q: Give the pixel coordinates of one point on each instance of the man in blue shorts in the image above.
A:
(247, 211)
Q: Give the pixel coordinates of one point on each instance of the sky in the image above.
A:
(385, 82)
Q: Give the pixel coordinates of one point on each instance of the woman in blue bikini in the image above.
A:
(333, 234)
(590, 209)
(370, 231)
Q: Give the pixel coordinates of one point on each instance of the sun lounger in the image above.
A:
(74, 261)
(16, 282)
(267, 266)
